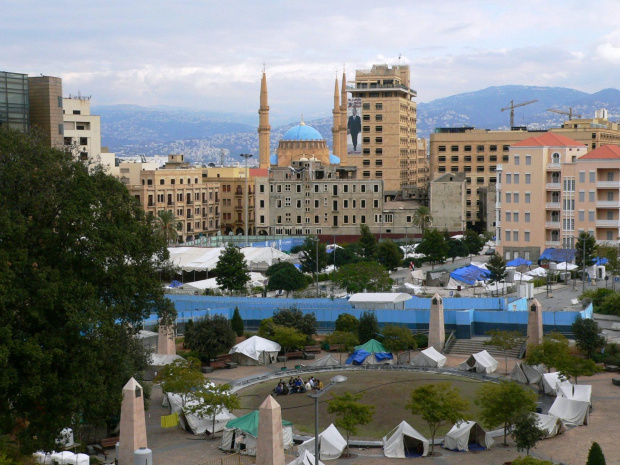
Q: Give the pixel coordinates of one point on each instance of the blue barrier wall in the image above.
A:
(468, 316)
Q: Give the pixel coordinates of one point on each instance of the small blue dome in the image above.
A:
(273, 159)
(333, 159)
(302, 132)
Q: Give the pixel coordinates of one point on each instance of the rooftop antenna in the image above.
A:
(222, 157)
(400, 55)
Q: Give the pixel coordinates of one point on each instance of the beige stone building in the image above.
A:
(178, 188)
(45, 96)
(447, 202)
(551, 190)
(387, 147)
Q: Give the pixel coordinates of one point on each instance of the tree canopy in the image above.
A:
(236, 323)
(526, 432)
(308, 255)
(389, 255)
(474, 242)
(422, 218)
(368, 327)
(295, 318)
(595, 455)
(367, 242)
(212, 399)
(365, 276)
(552, 351)
(397, 338)
(347, 322)
(181, 377)
(289, 338)
(350, 413)
(232, 270)
(285, 277)
(434, 246)
(504, 340)
(585, 242)
(78, 275)
(210, 336)
(588, 336)
(497, 268)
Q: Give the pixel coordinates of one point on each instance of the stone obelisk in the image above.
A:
(133, 424)
(436, 330)
(270, 443)
(534, 323)
(165, 340)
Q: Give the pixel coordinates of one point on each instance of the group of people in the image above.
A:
(297, 386)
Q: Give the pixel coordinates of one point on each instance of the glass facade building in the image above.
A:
(14, 101)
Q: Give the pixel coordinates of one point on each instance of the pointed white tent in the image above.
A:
(518, 375)
(551, 424)
(533, 372)
(404, 441)
(327, 361)
(551, 383)
(255, 351)
(196, 424)
(571, 412)
(582, 392)
(429, 358)
(331, 444)
(305, 458)
(482, 362)
(464, 435)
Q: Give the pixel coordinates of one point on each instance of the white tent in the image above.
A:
(550, 382)
(534, 373)
(240, 434)
(206, 258)
(255, 351)
(327, 361)
(518, 375)
(466, 435)
(429, 358)
(79, 459)
(331, 444)
(305, 459)
(256, 279)
(194, 423)
(582, 392)
(482, 362)
(162, 359)
(571, 412)
(540, 272)
(563, 266)
(404, 441)
(551, 424)
(63, 458)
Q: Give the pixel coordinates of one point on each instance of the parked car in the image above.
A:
(490, 251)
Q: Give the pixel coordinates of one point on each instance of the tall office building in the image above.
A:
(45, 94)
(381, 128)
(14, 101)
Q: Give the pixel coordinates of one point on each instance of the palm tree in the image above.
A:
(166, 226)
(422, 218)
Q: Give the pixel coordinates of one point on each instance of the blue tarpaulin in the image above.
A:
(470, 274)
(558, 255)
(518, 262)
(175, 283)
(383, 356)
(357, 357)
(601, 261)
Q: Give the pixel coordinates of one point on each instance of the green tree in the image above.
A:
(610, 305)
(526, 432)
(456, 248)
(389, 255)
(529, 460)
(286, 278)
(474, 243)
(289, 338)
(501, 404)
(360, 277)
(236, 323)
(367, 242)
(212, 400)
(505, 341)
(78, 275)
(598, 297)
(346, 255)
(575, 367)
(612, 267)
(166, 226)
(347, 322)
(437, 404)
(231, 270)
(308, 255)
(422, 218)
(347, 339)
(266, 328)
(588, 336)
(295, 318)
(350, 413)
(434, 246)
(211, 336)
(397, 338)
(595, 455)
(588, 243)
(497, 267)
(552, 351)
(181, 377)
(368, 327)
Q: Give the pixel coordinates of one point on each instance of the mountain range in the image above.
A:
(204, 137)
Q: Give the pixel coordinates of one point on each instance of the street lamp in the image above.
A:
(247, 201)
(316, 240)
(335, 380)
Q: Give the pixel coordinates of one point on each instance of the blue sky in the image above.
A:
(208, 55)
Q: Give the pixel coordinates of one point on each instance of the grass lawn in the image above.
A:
(388, 391)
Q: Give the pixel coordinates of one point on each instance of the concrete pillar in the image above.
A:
(270, 443)
(436, 329)
(534, 323)
(133, 424)
(165, 340)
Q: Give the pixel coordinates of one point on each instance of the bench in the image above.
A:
(104, 444)
(336, 347)
(313, 349)
(215, 365)
(224, 358)
(295, 354)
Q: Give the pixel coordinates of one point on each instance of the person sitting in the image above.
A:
(278, 389)
(319, 385)
(308, 385)
(311, 381)
(299, 384)
(285, 390)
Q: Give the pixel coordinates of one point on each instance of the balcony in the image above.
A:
(608, 204)
(553, 186)
(553, 205)
(608, 223)
(554, 166)
(552, 243)
(552, 224)
(608, 184)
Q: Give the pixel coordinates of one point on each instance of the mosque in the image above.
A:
(303, 142)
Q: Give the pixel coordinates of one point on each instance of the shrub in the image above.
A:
(421, 340)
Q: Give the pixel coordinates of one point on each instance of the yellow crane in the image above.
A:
(512, 107)
(568, 113)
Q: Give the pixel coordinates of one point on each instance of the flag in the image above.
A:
(169, 421)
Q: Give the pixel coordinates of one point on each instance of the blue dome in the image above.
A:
(333, 159)
(273, 159)
(302, 132)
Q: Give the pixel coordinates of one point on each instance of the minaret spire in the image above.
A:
(337, 149)
(343, 120)
(264, 130)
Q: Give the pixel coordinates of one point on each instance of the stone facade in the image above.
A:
(447, 202)
(45, 95)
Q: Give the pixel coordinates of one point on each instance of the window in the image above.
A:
(480, 169)
(516, 160)
(590, 196)
(316, 203)
(262, 204)
(527, 217)
(582, 176)
(528, 178)
(379, 117)
(378, 106)
(581, 215)
(467, 148)
(378, 174)
(379, 129)
(441, 148)
(363, 219)
(493, 148)
(516, 178)
(379, 140)
(363, 203)
(366, 162)
(610, 175)
(515, 217)
(480, 158)
(582, 196)
(527, 236)
(480, 148)
(508, 197)
(375, 203)
(366, 106)
(610, 234)
(345, 204)
(508, 217)
(515, 236)
(454, 158)
(366, 129)
(590, 215)
(592, 176)
(378, 162)
(508, 178)
(610, 195)
(527, 197)
(528, 160)
(287, 202)
(454, 148)
(507, 235)
(375, 188)
(515, 197)
(261, 188)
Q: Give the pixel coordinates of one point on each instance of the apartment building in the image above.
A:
(447, 202)
(381, 121)
(178, 188)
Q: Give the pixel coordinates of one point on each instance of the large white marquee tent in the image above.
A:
(255, 351)
(206, 258)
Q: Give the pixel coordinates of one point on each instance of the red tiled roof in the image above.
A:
(259, 172)
(549, 139)
(604, 152)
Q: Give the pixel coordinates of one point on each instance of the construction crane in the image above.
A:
(512, 109)
(568, 113)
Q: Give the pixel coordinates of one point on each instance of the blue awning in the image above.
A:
(601, 261)
(518, 262)
(558, 255)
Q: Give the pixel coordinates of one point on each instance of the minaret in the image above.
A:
(336, 125)
(264, 130)
(343, 121)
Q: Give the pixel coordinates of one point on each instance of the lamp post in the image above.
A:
(583, 259)
(316, 243)
(247, 199)
(406, 240)
(335, 252)
(335, 380)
